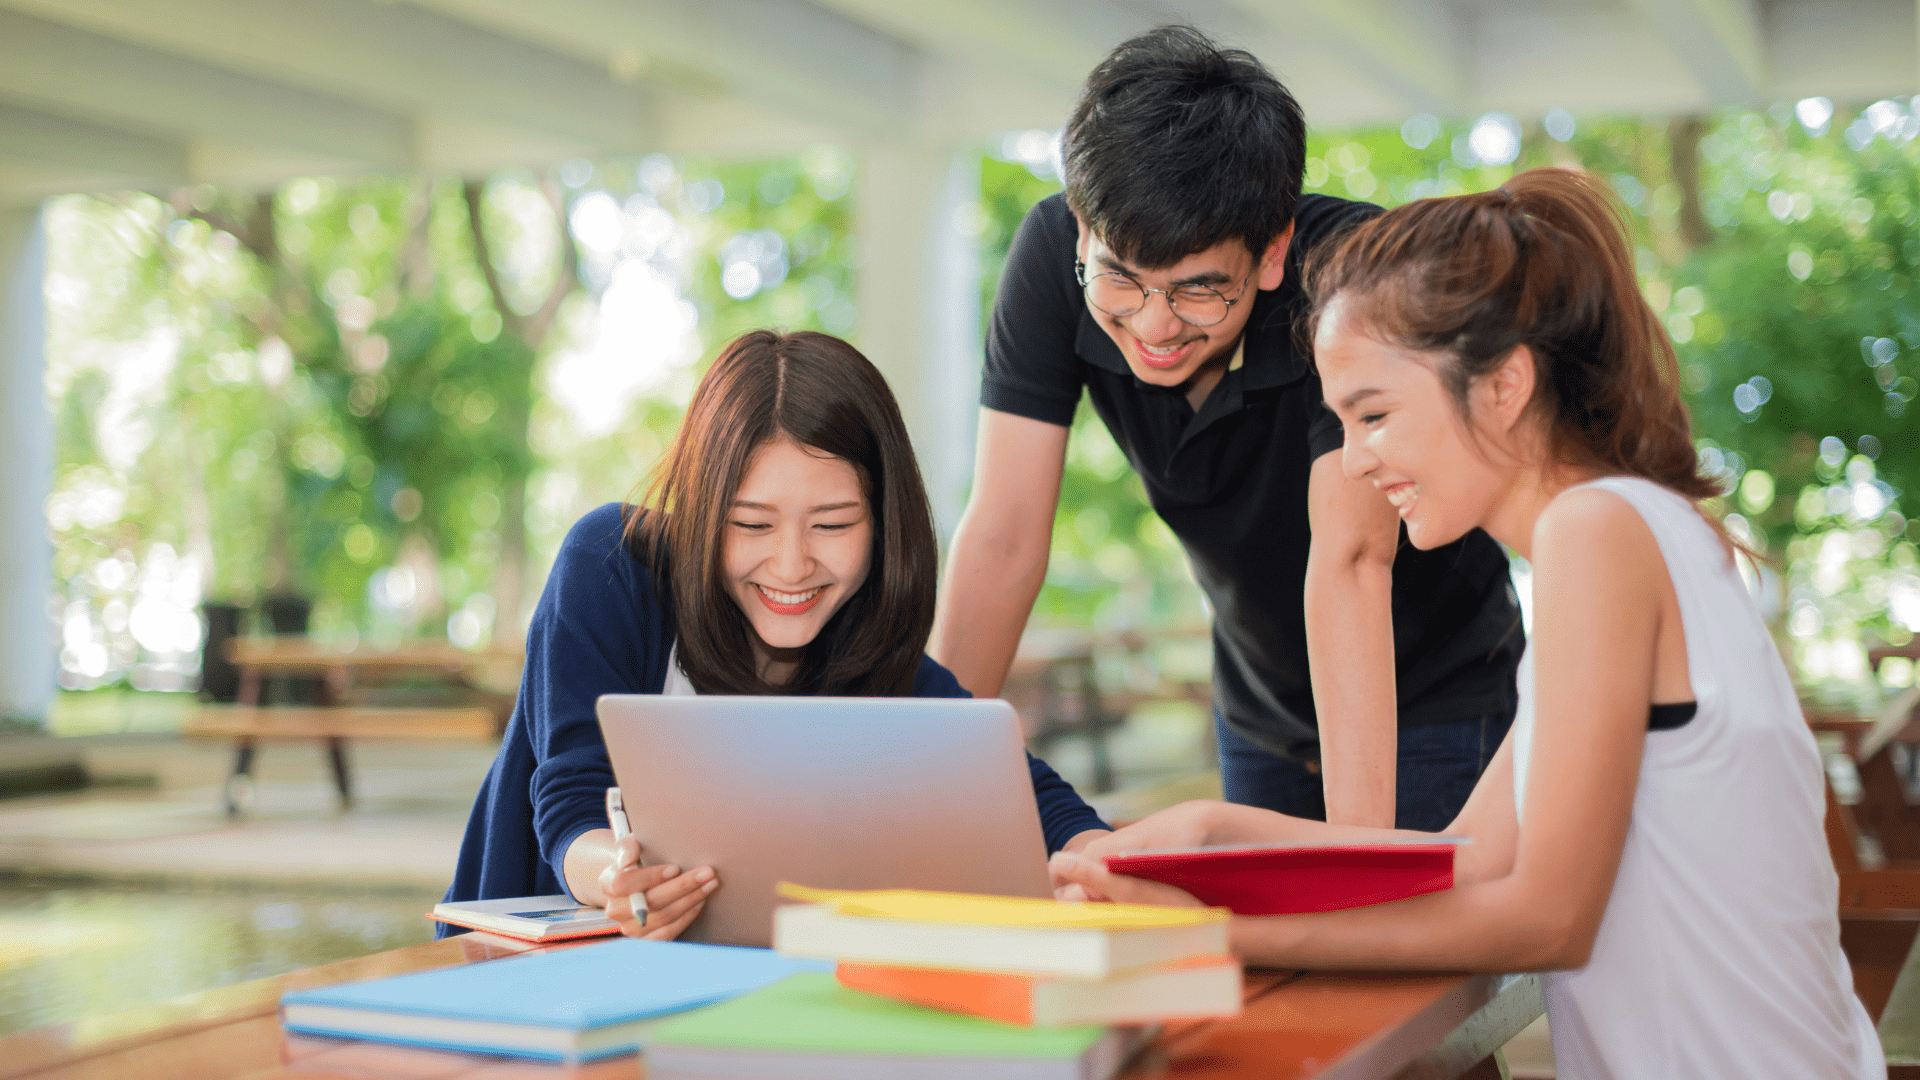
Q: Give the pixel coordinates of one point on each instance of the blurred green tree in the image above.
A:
(387, 394)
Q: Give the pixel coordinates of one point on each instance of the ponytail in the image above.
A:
(1542, 261)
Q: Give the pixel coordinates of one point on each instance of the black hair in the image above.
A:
(820, 392)
(1177, 145)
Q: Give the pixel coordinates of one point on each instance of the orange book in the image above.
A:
(1199, 987)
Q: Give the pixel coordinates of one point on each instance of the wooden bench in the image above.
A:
(248, 725)
(1899, 1022)
(338, 714)
(1879, 898)
(1052, 684)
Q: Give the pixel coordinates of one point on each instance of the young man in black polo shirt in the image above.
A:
(1165, 282)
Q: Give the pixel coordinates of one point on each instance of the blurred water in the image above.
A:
(71, 952)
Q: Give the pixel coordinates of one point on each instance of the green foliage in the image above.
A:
(315, 391)
(788, 218)
(1817, 305)
(1008, 189)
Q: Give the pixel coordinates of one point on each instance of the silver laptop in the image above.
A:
(846, 793)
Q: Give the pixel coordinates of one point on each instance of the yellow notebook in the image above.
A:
(920, 905)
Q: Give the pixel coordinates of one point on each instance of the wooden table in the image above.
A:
(335, 718)
(339, 669)
(1296, 1026)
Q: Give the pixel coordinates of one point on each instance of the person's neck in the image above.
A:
(1525, 498)
(1201, 383)
(777, 666)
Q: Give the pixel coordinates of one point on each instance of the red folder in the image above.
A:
(1291, 878)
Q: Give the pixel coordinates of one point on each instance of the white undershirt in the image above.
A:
(677, 685)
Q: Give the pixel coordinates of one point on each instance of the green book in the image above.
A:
(809, 1027)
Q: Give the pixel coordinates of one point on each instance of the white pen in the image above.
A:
(617, 818)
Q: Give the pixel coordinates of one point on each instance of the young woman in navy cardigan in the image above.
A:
(786, 547)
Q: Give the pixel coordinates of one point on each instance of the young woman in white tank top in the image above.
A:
(1651, 834)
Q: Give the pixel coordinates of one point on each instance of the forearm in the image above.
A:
(1232, 823)
(1081, 840)
(1497, 926)
(991, 582)
(587, 856)
(1349, 612)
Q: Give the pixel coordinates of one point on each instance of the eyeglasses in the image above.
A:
(1120, 296)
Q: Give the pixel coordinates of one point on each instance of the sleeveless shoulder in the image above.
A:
(1687, 541)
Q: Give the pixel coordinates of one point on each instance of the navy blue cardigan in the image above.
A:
(599, 629)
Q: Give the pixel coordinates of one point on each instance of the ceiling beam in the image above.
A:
(1057, 42)
(74, 73)
(386, 56)
(1413, 50)
(31, 137)
(792, 57)
(1721, 42)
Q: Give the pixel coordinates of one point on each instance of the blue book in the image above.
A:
(575, 1004)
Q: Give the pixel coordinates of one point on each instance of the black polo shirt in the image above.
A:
(1231, 482)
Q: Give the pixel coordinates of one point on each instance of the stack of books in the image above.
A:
(932, 985)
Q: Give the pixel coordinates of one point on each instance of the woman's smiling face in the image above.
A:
(797, 544)
(1404, 432)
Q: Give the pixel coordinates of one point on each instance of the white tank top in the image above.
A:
(678, 685)
(1719, 953)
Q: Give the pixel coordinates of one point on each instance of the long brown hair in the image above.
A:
(820, 392)
(1542, 261)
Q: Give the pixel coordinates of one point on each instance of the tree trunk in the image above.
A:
(516, 412)
(257, 233)
(1683, 137)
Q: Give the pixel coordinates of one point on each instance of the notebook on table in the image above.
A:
(529, 918)
(574, 1004)
(809, 1027)
(1285, 879)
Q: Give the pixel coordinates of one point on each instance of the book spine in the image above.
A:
(1006, 998)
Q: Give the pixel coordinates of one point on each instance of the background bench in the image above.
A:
(248, 725)
(341, 710)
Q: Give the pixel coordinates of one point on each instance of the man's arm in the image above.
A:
(1349, 608)
(999, 556)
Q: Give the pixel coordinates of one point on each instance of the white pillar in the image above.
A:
(919, 301)
(26, 471)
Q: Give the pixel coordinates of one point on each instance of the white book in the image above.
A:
(529, 918)
(818, 931)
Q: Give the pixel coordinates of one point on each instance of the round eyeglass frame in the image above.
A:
(1146, 295)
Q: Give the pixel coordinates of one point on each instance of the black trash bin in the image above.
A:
(289, 613)
(219, 678)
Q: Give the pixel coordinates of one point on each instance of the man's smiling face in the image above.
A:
(1160, 348)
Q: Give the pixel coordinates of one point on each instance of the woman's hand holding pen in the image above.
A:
(673, 899)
